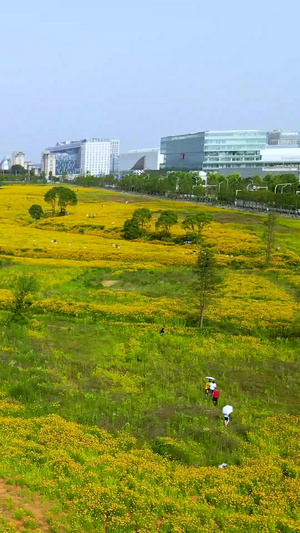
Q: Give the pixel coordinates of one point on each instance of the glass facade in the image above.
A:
(233, 149)
(68, 161)
(183, 152)
(284, 138)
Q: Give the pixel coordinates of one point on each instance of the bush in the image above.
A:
(131, 229)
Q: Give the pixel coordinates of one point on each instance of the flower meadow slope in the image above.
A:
(104, 424)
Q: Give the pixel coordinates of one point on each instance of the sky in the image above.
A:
(140, 70)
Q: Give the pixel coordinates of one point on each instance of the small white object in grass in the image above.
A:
(223, 465)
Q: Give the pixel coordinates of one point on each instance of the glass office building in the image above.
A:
(183, 152)
(284, 138)
(68, 161)
(240, 149)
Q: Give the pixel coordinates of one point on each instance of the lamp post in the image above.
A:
(219, 185)
(285, 186)
(280, 184)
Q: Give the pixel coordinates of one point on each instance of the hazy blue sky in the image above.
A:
(139, 70)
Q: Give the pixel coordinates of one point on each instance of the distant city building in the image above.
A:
(48, 164)
(281, 159)
(5, 163)
(284, 138)
(89, 156)
(146, 159)
(18, 159)
(114, 155)
(33, 167)
(183, 152)
(227, 152)
(239, 149)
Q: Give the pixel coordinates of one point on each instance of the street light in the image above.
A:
(237, 190)
(219, 185)
(285, 186)
(278, 184)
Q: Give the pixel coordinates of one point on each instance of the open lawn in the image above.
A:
(104, 424)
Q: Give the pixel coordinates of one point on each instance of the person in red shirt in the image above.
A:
(215, 396)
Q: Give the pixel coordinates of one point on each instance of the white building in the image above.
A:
(278, 159)
(18, 159)
(115, 147)
(5, 163)
(89, 156)
(146, 159)
(48, 163)
(95, 157)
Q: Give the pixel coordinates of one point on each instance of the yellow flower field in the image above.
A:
(104, 423)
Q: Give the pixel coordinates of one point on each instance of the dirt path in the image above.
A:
(22, 508)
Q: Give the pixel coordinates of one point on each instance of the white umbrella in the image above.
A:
(227, 410)
(209, 377)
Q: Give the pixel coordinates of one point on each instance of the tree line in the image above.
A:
(273, 191)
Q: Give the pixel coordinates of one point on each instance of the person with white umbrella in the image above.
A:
(207, 385)
(227, 410)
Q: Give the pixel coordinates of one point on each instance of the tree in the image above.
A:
(61, 196)
(166, 220)
(51, 197)
(23, 288)
(17, 169)
(142, 216)
(36, 211)
(208, 279)
(269, 235)
(131, 229)
(197, 221)
(65, 197)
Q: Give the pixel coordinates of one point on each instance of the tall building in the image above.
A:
(18, 159)
(115, 147)
(88, 156)
(147, 159)
(48, 164)
(114, 155)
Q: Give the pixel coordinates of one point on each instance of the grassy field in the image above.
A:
(105, 426)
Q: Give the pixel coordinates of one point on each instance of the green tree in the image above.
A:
(131, 229)
(23, 288)
(142, 216)
(36, 211)
(195, 222)
(166, 220)
(66, 197)
(208, 279)
(51, 197)
(61, 196)
(269, 235)
(17, 169)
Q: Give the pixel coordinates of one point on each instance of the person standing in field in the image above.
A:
(162, 331)
(207, 387)
(212, 386)
(215, 396)
(226, 420)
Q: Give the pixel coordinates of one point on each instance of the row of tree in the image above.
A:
(193, 223)
(273, 190)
